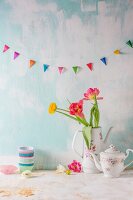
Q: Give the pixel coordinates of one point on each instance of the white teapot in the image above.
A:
(111, 161)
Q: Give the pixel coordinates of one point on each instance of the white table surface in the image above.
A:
(48, 185)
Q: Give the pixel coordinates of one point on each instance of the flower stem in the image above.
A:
(62, 109)
(67, 115)
(76, 119)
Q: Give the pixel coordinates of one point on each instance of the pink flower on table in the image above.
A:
(75, 166)
(77, 109)
(91, 93)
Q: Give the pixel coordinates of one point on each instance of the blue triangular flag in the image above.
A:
(45, 66)
(104, 60)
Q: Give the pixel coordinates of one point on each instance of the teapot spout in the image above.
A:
(107, 135)
(96, 161)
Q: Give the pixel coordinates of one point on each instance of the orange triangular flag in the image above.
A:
(32, 62)
(117, 51)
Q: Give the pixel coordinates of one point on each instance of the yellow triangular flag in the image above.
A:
(117, 51)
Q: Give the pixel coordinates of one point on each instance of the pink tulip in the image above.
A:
(75, 166)
(77, 109)
(96, 91)
(91, 93)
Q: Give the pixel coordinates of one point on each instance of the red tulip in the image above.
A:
(77, 109)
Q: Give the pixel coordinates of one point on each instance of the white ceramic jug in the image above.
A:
(97, 145)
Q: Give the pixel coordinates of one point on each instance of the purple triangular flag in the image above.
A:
(16, 54)
(104, 60)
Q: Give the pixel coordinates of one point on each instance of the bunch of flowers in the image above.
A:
(75, 111)
(75, 166)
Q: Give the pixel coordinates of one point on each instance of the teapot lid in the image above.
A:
(112, 149)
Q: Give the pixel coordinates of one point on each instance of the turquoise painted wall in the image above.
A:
(63, 33)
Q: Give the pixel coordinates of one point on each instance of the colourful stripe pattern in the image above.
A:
(26, 165)
(26, 155)
(26, 160)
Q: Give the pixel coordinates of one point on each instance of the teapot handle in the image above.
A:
(127, 154)
(73, 144)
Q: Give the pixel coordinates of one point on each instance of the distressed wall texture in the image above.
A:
(63, 33)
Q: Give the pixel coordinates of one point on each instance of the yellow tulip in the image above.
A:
(52, 108)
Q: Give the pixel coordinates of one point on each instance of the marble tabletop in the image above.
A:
(48, 185)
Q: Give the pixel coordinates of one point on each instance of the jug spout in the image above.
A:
(96, 161)
(107, 135)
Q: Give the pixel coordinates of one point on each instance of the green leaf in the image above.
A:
(96, 114)
(95, 117)
(87, 135)
(91, 116)
(82, 120)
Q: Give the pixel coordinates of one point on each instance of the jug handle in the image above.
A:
(73, 144)
(127, 152)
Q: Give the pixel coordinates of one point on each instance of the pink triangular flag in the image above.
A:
(16, 54)
(90, 66)
(5, 48)
(60, 69)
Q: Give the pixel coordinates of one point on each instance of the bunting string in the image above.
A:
(75, 68)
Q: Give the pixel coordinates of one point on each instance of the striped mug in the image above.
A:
(26, 158)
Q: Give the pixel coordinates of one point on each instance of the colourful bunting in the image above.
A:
(104, 60)
(45, 67)
(129, 43)
(16, 54)
(60, 69)
(5, 48)
(117, 52)
(32, 62)
(90, 66)
(75, 69)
